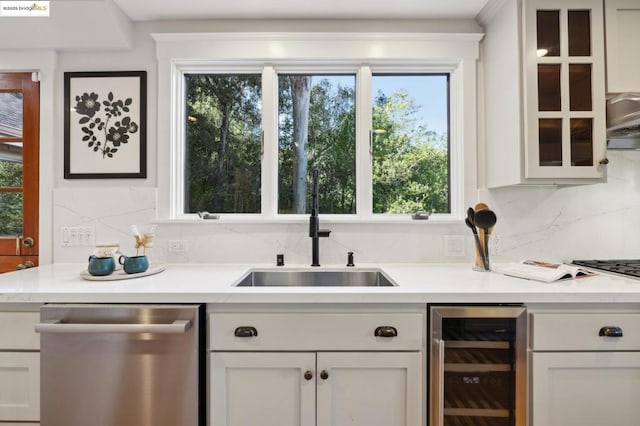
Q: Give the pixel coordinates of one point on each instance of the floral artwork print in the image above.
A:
(104, 130)
(105, 127)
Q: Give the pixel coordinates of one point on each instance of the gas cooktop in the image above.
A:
(628, 267)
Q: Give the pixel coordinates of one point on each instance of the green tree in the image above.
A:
(410, 163)
(330, 147)
(223, 143)
(10, 202)
(300, 102)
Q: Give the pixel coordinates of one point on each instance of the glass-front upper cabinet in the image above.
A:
(565, 89)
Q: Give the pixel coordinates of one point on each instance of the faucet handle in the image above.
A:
(323, 232)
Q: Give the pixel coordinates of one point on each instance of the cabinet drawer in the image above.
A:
(581, 332)
(317, 331)
(17, 331)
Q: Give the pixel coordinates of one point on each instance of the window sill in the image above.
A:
(324, 219)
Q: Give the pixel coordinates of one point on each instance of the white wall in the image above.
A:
(544, 222)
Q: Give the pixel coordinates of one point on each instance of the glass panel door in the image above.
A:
(477, 366)
(19, 134)
(564, 55)
(11, 164)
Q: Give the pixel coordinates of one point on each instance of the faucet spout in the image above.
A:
(315, 233)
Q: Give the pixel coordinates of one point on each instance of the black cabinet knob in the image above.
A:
(308, 375)
(324, 375)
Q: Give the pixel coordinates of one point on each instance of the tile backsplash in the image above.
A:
(551, 223)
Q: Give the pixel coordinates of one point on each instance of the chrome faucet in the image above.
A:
(314, 223)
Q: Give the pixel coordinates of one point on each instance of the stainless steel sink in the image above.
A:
(359, 278)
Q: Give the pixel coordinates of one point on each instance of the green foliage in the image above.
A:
(10, 202)
(223, 168)
(410, 163)
(331, 147)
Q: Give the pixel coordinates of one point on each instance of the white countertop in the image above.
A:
(417, 283)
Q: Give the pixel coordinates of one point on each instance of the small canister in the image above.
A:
(109, 249)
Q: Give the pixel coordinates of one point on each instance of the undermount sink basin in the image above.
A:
(359, 278)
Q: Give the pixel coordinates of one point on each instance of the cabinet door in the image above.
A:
(623, 32)
(262, 388)
(19, 386)
(565, 89)
(369, 388)
(585, 388)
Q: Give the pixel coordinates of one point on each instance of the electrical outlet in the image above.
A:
(178, 246)
(453, 246)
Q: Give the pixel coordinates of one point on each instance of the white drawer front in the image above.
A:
(19, 424)
(17, 331)
(19, 386)
(581, 332)
(315, 331)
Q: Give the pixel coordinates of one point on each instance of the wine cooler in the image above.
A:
(477, 366)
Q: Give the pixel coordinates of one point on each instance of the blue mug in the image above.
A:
(100, 266)
(134, 264)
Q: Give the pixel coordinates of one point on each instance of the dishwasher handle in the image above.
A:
(55, 326)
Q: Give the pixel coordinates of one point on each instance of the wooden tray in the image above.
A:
(122, 275)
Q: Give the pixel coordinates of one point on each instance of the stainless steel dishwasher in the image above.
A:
(122, 365)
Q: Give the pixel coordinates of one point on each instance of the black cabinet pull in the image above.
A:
(386, 331)
(308, 375)
(245, 331)
(610, 331)
(324, 375)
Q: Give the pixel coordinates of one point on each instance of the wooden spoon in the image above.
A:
(485, 220)
(481, 232)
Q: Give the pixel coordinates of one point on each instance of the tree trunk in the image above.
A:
(220, 188)
(300, 96)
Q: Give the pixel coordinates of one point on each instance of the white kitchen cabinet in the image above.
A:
(622, 19)
(585, 388)
(317, 368)
(369, 388)
(20, 386)
(580, 376)
(19, 367)
(544, 92)
(287, 389)
(267, 389)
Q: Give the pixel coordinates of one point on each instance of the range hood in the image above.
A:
(623, 121)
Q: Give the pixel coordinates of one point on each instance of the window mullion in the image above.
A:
(269, 196)
(364, 165)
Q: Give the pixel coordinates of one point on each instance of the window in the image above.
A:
(383, 119)
(410, 143)
(222, 139)
(11, 163)
(317, 130)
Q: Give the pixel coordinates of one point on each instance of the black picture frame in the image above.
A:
(105, 122)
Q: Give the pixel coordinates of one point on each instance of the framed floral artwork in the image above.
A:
(105, 125)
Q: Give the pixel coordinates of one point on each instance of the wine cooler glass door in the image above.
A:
(478, 366)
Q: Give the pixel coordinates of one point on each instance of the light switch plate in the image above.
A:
(77, 236)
